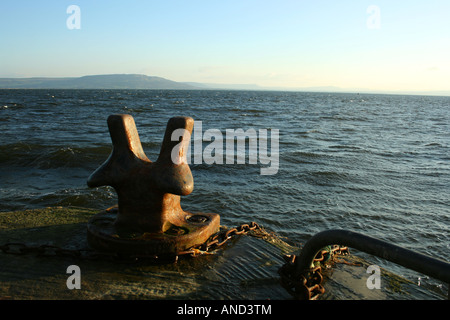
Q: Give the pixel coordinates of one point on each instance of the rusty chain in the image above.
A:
(220, 238)
(309, 285)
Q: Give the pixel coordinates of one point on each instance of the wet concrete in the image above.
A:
(246, 268)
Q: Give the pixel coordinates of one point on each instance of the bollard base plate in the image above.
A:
(103, 235)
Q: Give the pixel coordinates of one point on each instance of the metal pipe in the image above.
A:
(435, 268)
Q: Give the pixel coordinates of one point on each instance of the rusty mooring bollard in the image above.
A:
(149, 219)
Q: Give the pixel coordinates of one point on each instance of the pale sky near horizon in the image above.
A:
(376, 45)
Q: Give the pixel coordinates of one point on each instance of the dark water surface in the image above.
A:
(376, 164)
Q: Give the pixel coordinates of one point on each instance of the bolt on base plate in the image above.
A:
(104, 235)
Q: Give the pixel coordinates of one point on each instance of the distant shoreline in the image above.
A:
(143, 82)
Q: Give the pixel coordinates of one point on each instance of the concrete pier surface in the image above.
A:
(246, 268)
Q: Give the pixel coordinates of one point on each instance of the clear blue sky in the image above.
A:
(271, 43)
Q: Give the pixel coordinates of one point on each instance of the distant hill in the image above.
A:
(140, 81)
(111, 81)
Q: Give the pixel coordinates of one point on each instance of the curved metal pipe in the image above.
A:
(435, 268)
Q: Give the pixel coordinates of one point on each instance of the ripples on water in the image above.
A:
(376, 164)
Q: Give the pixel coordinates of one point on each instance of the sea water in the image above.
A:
(370, 163)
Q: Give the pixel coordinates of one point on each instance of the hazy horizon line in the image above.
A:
(250, 86)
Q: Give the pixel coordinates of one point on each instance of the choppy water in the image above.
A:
(376, 164)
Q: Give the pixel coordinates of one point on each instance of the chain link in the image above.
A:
(309, 285)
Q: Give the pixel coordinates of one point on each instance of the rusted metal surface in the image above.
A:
(149, 218)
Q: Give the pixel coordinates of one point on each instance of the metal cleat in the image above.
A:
(149, 219)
